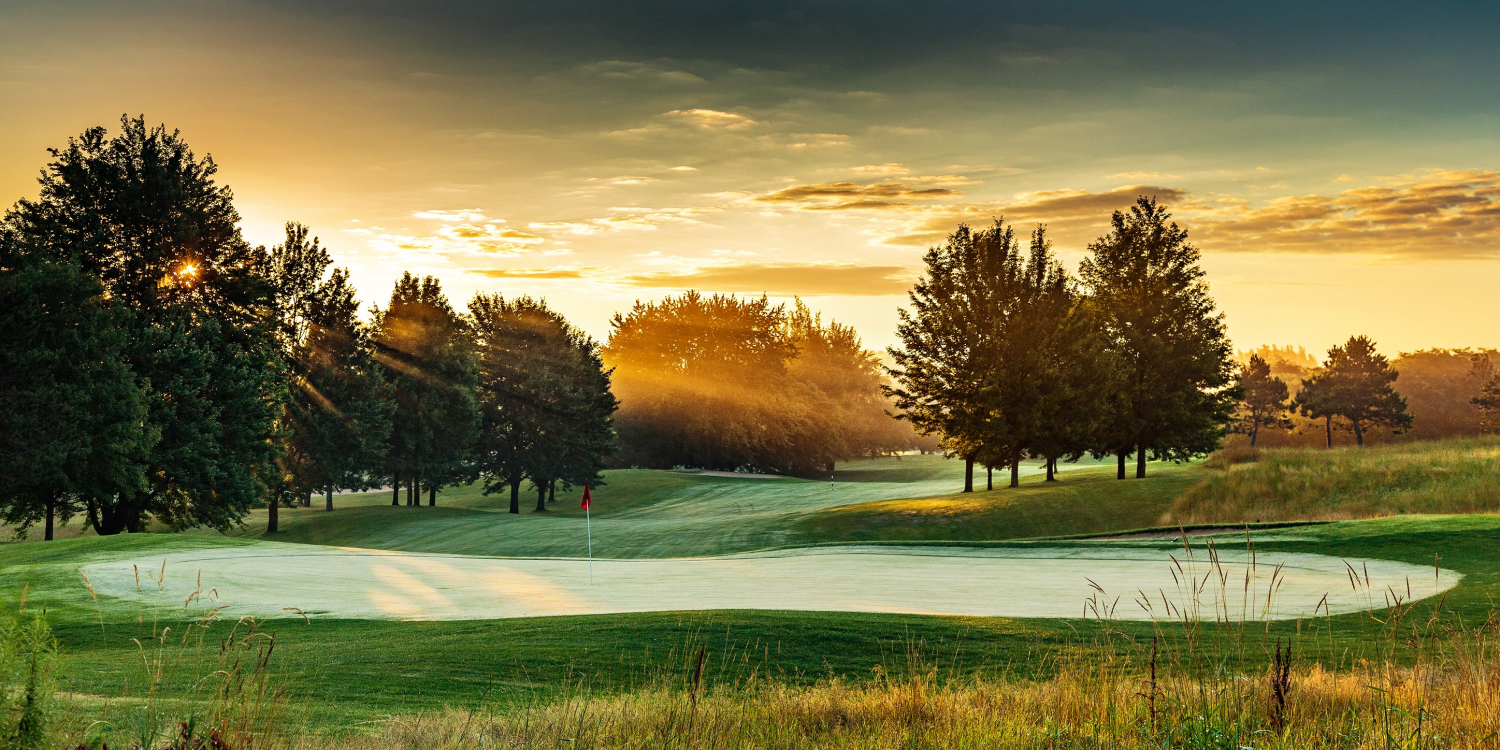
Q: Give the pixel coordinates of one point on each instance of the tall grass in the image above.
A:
(1451, 476)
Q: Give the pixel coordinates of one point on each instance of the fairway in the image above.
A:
(267, 580)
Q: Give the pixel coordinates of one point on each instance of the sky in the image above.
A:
(1338, 165)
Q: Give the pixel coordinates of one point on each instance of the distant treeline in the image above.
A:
(1446, 392)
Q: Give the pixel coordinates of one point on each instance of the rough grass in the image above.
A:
(1082, 501)
(1450, 476)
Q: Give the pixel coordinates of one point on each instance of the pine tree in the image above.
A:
(1175, 389)
(1356, 385)
(1264, 400)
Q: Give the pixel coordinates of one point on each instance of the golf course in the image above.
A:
(379, 611)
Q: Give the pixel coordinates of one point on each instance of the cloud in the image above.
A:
(462, 214)
(627, 218)
(528, 273)
(1072, 216)
(882, 170)
(835, 196)
(453, 240)
(711, 119)
(1435, 214)
(807, 279)
(620, 70)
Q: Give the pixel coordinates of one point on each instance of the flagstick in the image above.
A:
(589, 524)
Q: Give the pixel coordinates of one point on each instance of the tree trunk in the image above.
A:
(51, 509)
(307, 499)
(411, 491)
(541, 497)
(1015, 469)
(968, 473)
(1120, 469)
(515, 496)
(1140, 460)
(395, 488)
(328, 499)
(989, 478)
(1051, 477)
(432, 495)
(1254, 432)
(1328, 426)
(1359, 434)
(552, 491)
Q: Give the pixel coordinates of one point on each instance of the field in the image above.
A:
(788, 584)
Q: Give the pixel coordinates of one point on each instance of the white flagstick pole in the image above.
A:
(589, 524)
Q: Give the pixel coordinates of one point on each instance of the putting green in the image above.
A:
(1124, 582)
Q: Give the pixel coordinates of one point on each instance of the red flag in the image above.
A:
(585, 495)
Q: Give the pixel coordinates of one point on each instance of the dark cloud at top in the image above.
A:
(849, 39)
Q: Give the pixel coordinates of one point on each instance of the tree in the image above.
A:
(72, 415)
(1356, 385)
(1488, 402)
(702, 382)
(143, 215)
(337, 419)
(836, 382)
(1264, 400)
(940, 369)
(427, 350)
(544, 395)
(1175, 389)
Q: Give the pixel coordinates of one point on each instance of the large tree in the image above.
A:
(1176, 378)
(1263, 400)
(72, 415)
(547, 410)
(941, 368)
(143, 215)
(428, 351)
(701, 381)
(837, 383)
(337, 419)
(1357, 385)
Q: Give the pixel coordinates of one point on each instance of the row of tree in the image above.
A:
(1007, 356)
(1354, 389)
(156, 366)
(1421, 395)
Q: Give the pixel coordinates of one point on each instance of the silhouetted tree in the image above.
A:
(1264, 400)
(1356, 385)
(72, 415)
(941, 369)
(338, 417)
(1174, 389)
(143, 215)
(544, 395)
(428, 352)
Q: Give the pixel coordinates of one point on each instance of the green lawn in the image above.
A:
(343, 671)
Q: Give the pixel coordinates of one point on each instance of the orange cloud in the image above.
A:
(836, 195)
(1072, 216)
(808, 279)
(528, 273)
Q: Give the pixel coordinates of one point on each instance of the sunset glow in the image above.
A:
(1343, 181)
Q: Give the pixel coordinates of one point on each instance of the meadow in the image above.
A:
(783, 678)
